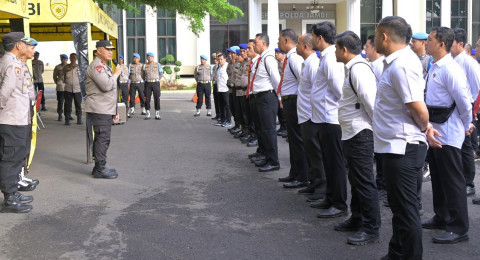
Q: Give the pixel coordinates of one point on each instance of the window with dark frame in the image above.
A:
(166, 33)
(136, 32)
(433, 14)
(459, 14)
(370, 16)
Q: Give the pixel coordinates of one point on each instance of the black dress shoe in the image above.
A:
(316, 196)
(258, 158)
(23, 198)
(214, 118)
(476, 201)
(308, 190)
(433, 223)
(35, 182)
(286, 179)
(324, 204)
(11, 204)
(255, 154)
(252, 143)
(294, 185)
(332, 212)
(269, 167)
(245, 139)
(361, 238)
(28, 187)
(260, 163)
(348, 225)
(449, 238)
(470, 190)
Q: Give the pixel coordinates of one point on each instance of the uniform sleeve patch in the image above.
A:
(18, 71)
(99, 69)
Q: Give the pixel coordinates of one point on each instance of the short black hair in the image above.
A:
(290, 34)
(264, 37)
(445, 35)
(349, 40)
(398, 29)
(460, 35)
(251, 40)
(326, 30)
(371, 39)
(73, 53)
(221, 55)
(9, 46)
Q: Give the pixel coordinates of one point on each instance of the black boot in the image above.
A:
(67, 121)
(59, 117)
(100, 171)
(79, 120)
(12, 204)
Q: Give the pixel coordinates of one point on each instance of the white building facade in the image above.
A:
(164, 32)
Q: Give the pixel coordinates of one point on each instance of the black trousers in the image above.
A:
(248, 115)
(232, 102)
(225, 113)
(401, 178)
(216, 100)
(124, 93)
(77, 98)
(238, 110)
(330, 136)
(243, 108)
(13, 142)
(448, 188)
(204, 88)
(266, 112)
(39, 86)
(281, 117)
(313, 152)
(134, 87)
(60, 101)
(155, 88)
(298, 160)
(364, 204)
(102, 127)
(468, 161)
(379, 178)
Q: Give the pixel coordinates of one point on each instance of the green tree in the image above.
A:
(169, 63)
(192, 10)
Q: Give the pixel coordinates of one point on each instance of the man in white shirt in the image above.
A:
(288, 90)
(400, 119)
(252, 141)
(450, 110)
(376, 62)
(310, 136)
(223, 95)
(355, 113)
(326, 92)
(265, 81)
(472, 71)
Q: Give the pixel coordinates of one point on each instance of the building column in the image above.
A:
(254, 18)
(416, 17)
(387, 8)
(273, 22)
(445, 12)
(125, 53)
(151, 44)
(203, 41)
(469, 22)
(353, 16)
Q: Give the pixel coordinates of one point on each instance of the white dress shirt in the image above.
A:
(353, 120)
(445, 84)
(222, 77)
(472, 72)
(402, 83)
(304, 103)
(377, 67)
(266, 80)
(327, 88)
(291, 81)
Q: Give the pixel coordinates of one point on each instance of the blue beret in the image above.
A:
(363, 54)
(136, 55)
(150, 54)
(473, 52)
(234, 49)
(120, 56)
(64, 56)
(319, 54)
(238, 51)
(229, 50)
(243, 46)
(30, 41)
(278, 50)
(420, 36)
(203, 57)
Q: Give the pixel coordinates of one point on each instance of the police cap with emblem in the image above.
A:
(64, 56)
(14, 37)
(420, 36)
(105, 44)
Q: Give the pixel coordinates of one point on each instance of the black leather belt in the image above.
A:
(288, 97)
(259, 94)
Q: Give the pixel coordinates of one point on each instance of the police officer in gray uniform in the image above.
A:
(101, 106)
(152, 73)
(72, 90)
(38, 69)
(136, 84)
(123, 80)
(203, 75)
(60, 87)
(16, 93)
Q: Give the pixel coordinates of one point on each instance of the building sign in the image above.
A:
(303, 15)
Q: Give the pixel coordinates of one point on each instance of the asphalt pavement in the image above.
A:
(185, 190)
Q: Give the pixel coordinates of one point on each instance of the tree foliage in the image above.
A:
(192, 10)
